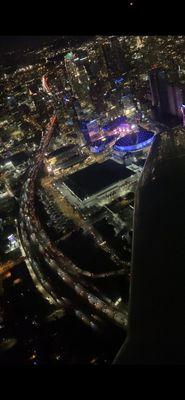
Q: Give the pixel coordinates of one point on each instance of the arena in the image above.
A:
(135, 141)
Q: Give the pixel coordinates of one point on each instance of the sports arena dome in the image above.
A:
(134, 141)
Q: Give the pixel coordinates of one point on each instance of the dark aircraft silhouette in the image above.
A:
(156, 326)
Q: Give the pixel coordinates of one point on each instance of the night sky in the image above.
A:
(15, 42)
(132, 17)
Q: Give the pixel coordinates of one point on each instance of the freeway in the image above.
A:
(44, 287)
(60, 264)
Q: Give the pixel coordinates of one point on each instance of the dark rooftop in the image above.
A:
(61, 150)
(72, 161)
(19, 158)
(96, 177)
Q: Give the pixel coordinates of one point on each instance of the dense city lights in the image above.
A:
(79, 119)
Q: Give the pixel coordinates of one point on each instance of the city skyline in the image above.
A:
(83, 123)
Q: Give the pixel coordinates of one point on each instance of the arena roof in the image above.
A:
(134, 141)
(96, 177)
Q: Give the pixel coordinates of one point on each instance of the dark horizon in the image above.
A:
(10, 43)
(33, 42)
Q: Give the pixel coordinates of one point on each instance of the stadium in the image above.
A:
(135, 141)
(121, 134)
(109, 133)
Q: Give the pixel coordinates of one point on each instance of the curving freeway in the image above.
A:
(31, 233)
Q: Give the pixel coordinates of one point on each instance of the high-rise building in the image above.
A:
(167, 97)
(78, 80)
(98, 90)
(159, 90)
(37, 99)
(96, 64)
(114, 56)
(176, 97)
(183, 113)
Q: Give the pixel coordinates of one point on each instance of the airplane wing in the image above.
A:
(156, 326)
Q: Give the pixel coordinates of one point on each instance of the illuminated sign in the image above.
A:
(69, 56)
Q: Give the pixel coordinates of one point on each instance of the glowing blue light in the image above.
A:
(97, 149)
(134, 147)
(66, 98)
(11, 238)
(119, 80)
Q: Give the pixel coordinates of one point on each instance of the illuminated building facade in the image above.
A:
(183, 113)
(176, 97)
(128, 105)
(101, 137)
(78, 80)
(167, 97)
(93, 130)
(159, 90)
(38, 99)
(119, 126)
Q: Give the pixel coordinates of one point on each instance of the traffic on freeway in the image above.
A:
(60, 264)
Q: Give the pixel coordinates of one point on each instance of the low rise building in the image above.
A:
(97, 184)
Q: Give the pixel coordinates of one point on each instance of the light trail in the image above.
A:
(57, 261)
(45, 85)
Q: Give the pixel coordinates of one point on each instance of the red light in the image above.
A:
(154, 66)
